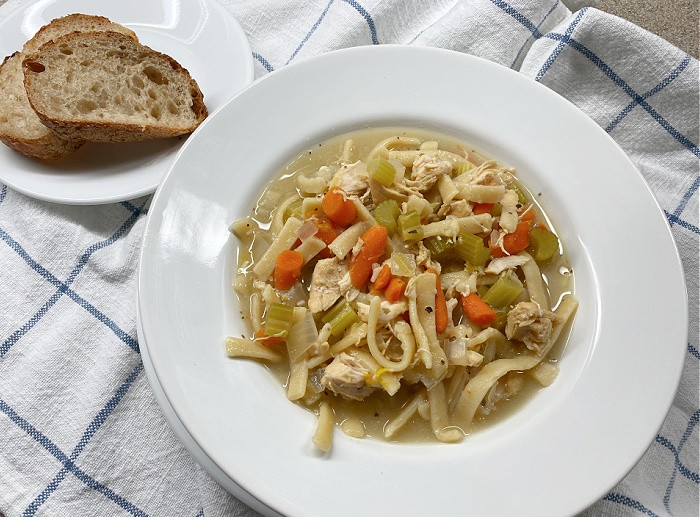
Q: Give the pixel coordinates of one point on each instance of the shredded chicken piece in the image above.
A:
(488, 173)
(498, 265)
(427, 169)
(509, 211)
(352, 178)
(460, 208)
(531, 324)
(387, 311)
(345, 376)
(423, 257)
(326, 286)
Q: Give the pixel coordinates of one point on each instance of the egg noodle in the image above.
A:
(408, 270)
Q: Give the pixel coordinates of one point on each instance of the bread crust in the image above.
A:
(105, 130)
(75, 22)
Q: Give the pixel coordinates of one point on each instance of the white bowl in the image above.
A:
(617, 376)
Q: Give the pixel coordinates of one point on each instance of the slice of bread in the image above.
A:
(106, 87)
(20, 127)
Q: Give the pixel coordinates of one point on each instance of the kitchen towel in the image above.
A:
(81, 431)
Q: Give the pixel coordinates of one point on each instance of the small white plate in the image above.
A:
(618, 374)
(200, 34)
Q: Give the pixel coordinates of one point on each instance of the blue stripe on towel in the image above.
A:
(367, 17)
(308, 35)
(686, 197)
(63, 287)
(682, 139)
(631, 503)
(565, 39)
(84, 440)
(50, 447)
(656, 89)
(693, 351)
(544, 19)
(103, 318)
(14, 245)
(685, 471)
(522, 19)
(27, 326)
(264, 62)
(136, 213)
(674, 219)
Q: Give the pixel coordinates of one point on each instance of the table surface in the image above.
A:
(677, 21)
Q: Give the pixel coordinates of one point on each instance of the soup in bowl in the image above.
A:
(402, 285)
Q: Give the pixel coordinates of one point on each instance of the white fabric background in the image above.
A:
(81, 431)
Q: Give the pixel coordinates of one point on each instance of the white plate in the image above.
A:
(618, 374)
(185, 437)
(200, 34)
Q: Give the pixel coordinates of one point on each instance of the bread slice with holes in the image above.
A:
(20, 127)
(106, 87)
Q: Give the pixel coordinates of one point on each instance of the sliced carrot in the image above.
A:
(395, 289)
(514, 242)
(477, 310)
(528, 216)
(482, 208)
(262, 338)
(373, 244)
(288, 269)
(339, 209)
(440, 305)
(383, 278)
(327, 232)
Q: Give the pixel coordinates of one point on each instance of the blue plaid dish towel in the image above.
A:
(82, 434)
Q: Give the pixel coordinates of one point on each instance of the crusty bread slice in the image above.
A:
(106, 87)
(20, 127)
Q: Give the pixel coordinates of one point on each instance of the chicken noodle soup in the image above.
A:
(403, 285)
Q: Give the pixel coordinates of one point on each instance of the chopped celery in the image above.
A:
(543, 244)
(278, 320)
(294, 210)
(523, 198)
(503, 292)
(471, 249)
(501, 318)
(496, 210)
(462, 167)
(340, 317)
(334, 311)
(440, 247)
(403, 264)
(386, 214)
(381, 171)
(410, 229)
